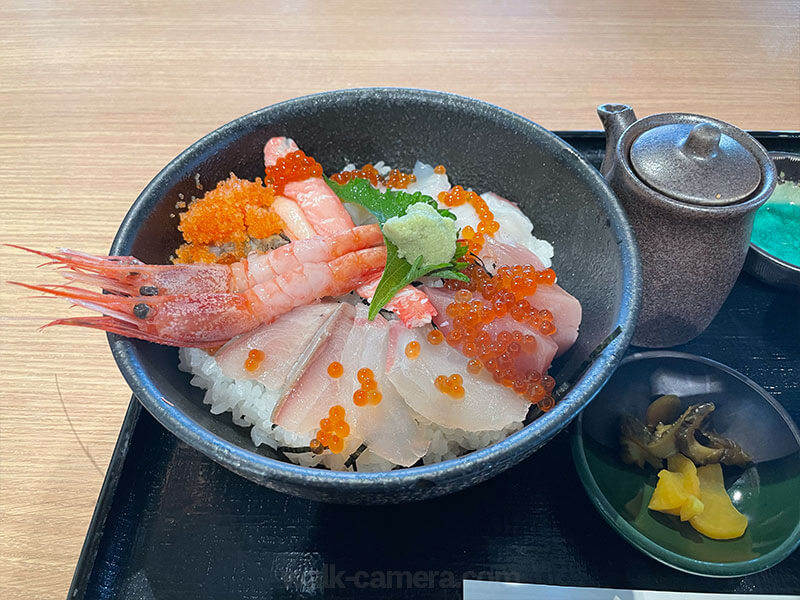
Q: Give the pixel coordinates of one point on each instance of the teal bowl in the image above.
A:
(767, 492)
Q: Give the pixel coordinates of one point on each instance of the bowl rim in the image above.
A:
(642, 542)
(504, 453)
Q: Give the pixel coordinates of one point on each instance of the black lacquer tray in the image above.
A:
(170, 523)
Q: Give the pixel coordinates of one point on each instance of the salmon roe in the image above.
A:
(253, 360)
(394, 179)
(333, 430)
(234, 212)
(451, 386)
(435, 337)
(439, 170)
(412, 349)
(335, 369)
(295, 166)
(475, 238)
(486, 298)
(368, 393)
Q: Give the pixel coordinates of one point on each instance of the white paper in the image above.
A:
(495, 590)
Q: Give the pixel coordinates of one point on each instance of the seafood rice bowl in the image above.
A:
(362, 320)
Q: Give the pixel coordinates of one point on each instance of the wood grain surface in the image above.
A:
(95, 99)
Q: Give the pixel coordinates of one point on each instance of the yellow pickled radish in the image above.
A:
(678, 489)
(670, 492)
(678, 463)
(691, 508)
(719, 520)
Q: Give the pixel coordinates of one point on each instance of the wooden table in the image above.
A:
(95, 100)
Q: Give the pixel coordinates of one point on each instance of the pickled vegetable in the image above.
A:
(719, 520)
(678, 489)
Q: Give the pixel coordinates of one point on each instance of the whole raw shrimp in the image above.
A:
(130, 276)
(211, 318)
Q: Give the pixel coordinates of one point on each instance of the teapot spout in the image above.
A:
(615, 119)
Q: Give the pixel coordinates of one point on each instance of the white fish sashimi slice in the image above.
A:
(539, 360)
(516, 228)
(316, 392)
(566, 309)
(288, 344)
(486, 406)
(389, 428)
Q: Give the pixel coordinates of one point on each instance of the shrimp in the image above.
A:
(277, 147)
(211, 319)
(295, 223)
(321, 207)
(130, 276)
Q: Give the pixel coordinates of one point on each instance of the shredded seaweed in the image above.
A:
(351, 460)
(298, 449)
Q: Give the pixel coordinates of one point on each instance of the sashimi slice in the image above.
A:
(486, 406)
(567, 313)
(389, 428)
(516, 228)
(316, 392)
(539, 360)
(499, 254)
(288, 344)
(566, 309)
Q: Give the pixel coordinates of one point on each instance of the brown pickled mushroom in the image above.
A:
(658, 439)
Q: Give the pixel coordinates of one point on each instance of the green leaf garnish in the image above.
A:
(398, 272)
(384, 205)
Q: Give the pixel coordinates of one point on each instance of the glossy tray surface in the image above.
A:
(170, 523)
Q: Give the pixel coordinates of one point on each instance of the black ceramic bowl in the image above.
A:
(483, 146)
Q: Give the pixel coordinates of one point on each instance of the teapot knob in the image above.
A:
(702, 141)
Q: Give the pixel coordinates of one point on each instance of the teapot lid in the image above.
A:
(695, 163)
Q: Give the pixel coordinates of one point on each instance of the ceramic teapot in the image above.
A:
(691, 186)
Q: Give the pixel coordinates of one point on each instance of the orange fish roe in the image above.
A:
(232, 213)
(486, 298)
(295, 166)
(547, 403)
(412, 349)
(369, 392)
(335, 369)
(451, 386)
(486, 224)
(253, 360)
(333, 430)
(474, 366)
(439, 170)
(435, 337)
(398, 180)
(395, 179)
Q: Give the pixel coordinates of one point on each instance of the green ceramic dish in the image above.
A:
(768, 492)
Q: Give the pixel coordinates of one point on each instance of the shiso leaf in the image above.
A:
(384, 205)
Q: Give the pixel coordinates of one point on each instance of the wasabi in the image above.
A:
(422, 231)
